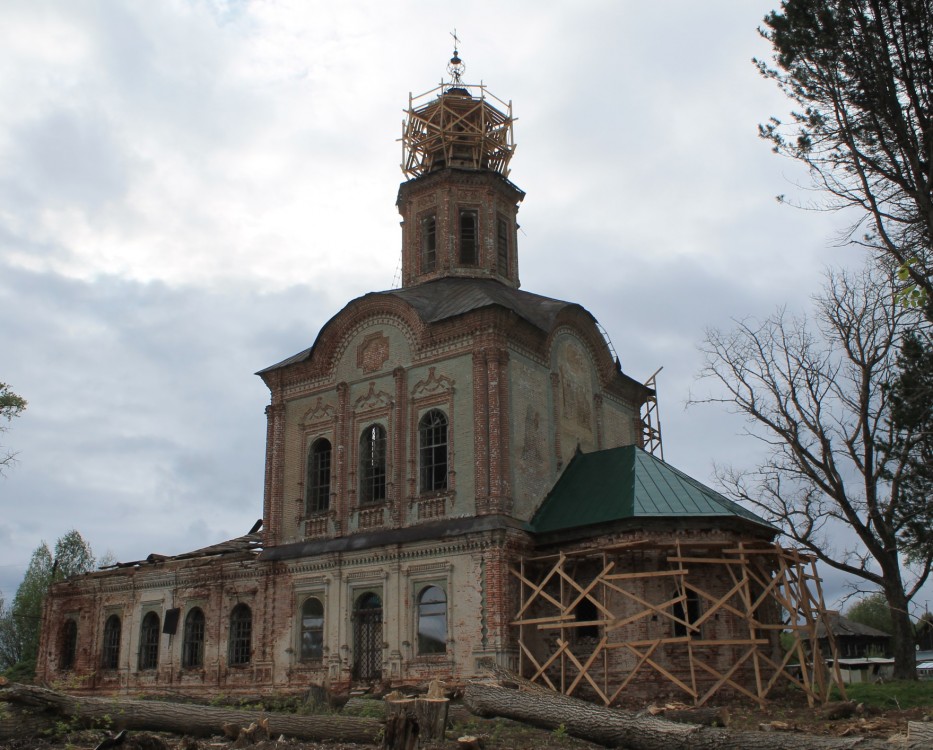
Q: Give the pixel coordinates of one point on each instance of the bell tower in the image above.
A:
(458, 206)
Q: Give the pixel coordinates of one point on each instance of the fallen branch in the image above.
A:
(635, 731)
(43, 707)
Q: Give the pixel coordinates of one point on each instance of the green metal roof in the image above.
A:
(628, 483)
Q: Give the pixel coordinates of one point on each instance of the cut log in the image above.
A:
(432, 717)
(708, 717)
(469, 742)
(615, 728)
(178, 718)
(920, 730)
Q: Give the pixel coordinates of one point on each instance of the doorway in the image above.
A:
(367, 637)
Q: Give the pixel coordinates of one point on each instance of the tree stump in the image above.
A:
(402, 727)
(432, 717)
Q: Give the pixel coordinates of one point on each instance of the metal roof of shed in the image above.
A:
(628, 483)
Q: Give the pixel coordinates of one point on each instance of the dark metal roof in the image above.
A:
(446, 298)
(844, 627)
(627, 483)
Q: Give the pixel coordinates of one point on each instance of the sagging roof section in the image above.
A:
(625, 483)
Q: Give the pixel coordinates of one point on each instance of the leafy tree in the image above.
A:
(860, 73)
(817, 396)
(11, 406)
(20, 624)
(911, 395)
(872, 611)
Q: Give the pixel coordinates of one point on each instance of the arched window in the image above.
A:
(432, 440)
(432, 620)
(149, 641)
(690, 613)
(428, 244)
(586, 611)
(110, 653)
(312, 629)
(373, 464)
(469, 247)
(502, 245)
(318, 478)
(240, 645)
(69, 644)
(192, 644)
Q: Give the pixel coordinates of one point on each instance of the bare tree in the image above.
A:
(815, 394)
(11, 405)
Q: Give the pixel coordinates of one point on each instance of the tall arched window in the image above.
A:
(192, 644)
(432, 441)
(69, 644)
(318, 479)
(428, 244)
(502, 245)
(240, 646)
(373, 464)
(312, 629)
(149, 641)
(110, 653)
(469, 246)
(432, 620)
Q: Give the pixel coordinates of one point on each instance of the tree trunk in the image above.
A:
(905, 653)
(615, 728)
(432, 717)
(116, 713)
(710, 717)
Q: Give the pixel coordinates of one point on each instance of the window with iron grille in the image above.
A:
(373, 464)
(469, 249)
(318, 478)
(428, 244)
(432, 440)
(149, 641)
(110, 653)
(312, 629)
(241, 636)
(69, 644)
(432, 620)
(192, 645)
(502, 245)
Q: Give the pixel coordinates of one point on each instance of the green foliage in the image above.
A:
(560, 732)
(886, 695)
(20, 624)
(11, 405)
(873, 611)
(859, 76)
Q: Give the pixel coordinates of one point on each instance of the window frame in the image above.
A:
(110, 646)
(240, 636)
(317, 491)
(429, 243)
(422, 588)
(373, 465)
(430, 448)
(465, 242)
(191, 639)
(503, 255)
(303, 628)
(68, 647)
(149, 636)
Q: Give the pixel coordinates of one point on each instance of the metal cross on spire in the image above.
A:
(456, 66)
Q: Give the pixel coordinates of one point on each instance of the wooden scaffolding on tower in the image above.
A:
(763, 591)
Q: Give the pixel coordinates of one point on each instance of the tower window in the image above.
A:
(428, 244)
(149, 641)
(502, 246)
(469, 249)
(432, 439)
(240, 646)
(373, 464)
(318, 478)
(192, 649)
(110, 655)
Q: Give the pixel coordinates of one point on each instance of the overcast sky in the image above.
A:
(189, 190)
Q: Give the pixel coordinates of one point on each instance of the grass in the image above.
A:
(891, 695)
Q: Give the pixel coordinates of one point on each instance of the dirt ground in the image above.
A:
(503, 734)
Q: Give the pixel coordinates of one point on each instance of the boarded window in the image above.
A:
(502, 246)
(428, 244)
(432, 440)
(432, 620)
(110, 652)
(312, 629)
(469, 247)
(373, 464)
(69, 645)
(241, 636)
(149, 641)
(318, 478)
(192, 646)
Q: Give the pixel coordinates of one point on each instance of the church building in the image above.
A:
(456, 475)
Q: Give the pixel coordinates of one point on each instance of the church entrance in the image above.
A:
(367, 637)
